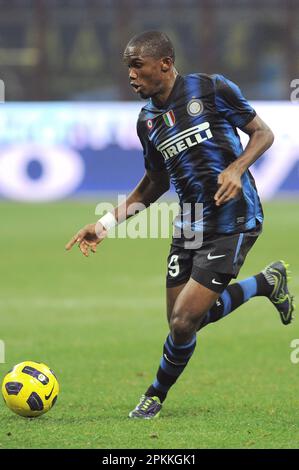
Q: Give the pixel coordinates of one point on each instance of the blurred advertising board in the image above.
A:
(54, 150)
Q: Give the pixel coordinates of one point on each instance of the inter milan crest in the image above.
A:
(149, 124)
(169, 118)
(194, 107)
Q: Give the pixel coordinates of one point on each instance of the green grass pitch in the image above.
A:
(100, 324)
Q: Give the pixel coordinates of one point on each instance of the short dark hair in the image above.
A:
(153, 43)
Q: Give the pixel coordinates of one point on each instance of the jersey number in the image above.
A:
(173, 266)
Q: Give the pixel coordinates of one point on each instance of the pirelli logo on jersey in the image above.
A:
(185, 139)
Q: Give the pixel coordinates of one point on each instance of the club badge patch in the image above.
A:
(149, 124)
(169, 118)
(194, 107)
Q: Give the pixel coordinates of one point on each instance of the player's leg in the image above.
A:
(150, 404)
(189, 309)
(236, 295)
(190, 306)
(179, 267)
(171, 296)
(231, 298)
(178, 274)
(271, 282)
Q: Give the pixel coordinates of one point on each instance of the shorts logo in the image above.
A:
(149, 124)
(169, 118)
(214, 257)
(215, 282)
(194, 107)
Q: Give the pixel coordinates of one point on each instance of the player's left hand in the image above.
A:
(230, 185)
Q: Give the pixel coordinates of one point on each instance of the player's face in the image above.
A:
(145, 73)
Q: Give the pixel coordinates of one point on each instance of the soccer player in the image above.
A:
(188, 134)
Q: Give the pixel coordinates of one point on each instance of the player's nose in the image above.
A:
(132, 74)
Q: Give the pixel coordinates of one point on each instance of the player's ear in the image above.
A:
(166, 64)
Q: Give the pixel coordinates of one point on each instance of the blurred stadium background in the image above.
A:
(67, 141)
(57, 55)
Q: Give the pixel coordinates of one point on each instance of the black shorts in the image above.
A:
(214, 264)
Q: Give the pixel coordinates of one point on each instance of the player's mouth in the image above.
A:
(136, 87)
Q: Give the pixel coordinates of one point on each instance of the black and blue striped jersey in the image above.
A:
(194, 137)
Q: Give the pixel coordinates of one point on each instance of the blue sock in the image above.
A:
(236, 295)
(174, 360)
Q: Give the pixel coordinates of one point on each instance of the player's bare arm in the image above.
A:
(260, 139)
(148, 190)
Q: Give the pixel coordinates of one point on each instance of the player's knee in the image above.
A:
(182, 325)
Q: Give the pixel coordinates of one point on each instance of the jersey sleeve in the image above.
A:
(231, 103)
(153, 159)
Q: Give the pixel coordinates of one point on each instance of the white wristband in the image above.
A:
(108, 221)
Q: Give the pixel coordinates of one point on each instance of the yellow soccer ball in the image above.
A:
(30, 389)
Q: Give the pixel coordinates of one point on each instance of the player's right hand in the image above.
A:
(88, 238)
